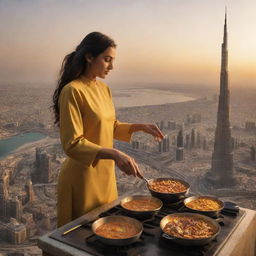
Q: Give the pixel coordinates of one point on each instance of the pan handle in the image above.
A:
(183, 207)
(167, 237)
(219, 220)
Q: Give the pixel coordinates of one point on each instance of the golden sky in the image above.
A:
(163, 41)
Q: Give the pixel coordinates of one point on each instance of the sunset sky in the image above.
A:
(159, 41)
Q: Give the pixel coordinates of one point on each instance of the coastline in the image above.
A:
(137, 97)
(155, 105)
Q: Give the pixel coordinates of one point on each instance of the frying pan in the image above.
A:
(118, 242)
(211, 213)
(186, 241)
(145, 213)
(168, 197)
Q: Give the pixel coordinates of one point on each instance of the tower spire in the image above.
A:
(225, 15)
(222, 157)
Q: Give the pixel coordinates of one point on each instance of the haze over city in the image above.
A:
(171, 42)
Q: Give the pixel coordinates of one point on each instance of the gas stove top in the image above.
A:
(151, 242)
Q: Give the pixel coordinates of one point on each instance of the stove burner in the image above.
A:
(175, 205)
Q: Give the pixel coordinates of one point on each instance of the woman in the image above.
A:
(85, 113)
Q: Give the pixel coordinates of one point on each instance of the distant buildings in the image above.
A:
(171, 125)
(10, 209)
(194, 118)
(250, 126)
(19, 216)
(9, 206)
(11, 125)
(135, 144)
(20, 212)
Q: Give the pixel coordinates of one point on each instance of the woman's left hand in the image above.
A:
(148, 128)
(153, 130)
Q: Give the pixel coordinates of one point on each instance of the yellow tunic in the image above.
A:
(87, 123)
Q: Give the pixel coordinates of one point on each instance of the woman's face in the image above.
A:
(102, 64)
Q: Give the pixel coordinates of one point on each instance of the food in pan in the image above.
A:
(141, 205)
(167, 186)
(189, 227)
(116, 230)
(204, 204)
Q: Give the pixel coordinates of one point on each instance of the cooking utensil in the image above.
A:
(71, 229)
(147, 180)
(142, 214)
(118, 242)
(186, 241)
(74, 228)
(211, 213)
(168, 197)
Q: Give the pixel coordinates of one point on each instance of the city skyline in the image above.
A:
(158, 43)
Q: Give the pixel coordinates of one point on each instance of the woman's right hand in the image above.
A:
(127, 164)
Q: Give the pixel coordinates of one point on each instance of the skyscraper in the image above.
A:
(180, 149)
(222, 157)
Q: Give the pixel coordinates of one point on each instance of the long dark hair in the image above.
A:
(74, 64)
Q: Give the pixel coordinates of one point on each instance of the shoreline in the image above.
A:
(17, 132)
(26, 145)
(25, 148)
(156, 105)
(137, 97)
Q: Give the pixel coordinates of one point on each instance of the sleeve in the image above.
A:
(74, 144)
(121, 129)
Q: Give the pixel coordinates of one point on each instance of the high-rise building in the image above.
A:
(198, 140)
(42, 172)
(180, 139)
(187, 141)
(14, 208)
(192, 139)
(179, 154)
(180, 149)
(30, 191)
(16, 232)
(253, 154)
(4, 193)
(222, 157)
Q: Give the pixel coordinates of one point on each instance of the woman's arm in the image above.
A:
(74, 144)
(124, 162)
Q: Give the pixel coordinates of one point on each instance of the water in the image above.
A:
(143, 97)
(12, 143)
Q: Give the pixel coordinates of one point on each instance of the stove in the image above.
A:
(151, 242)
